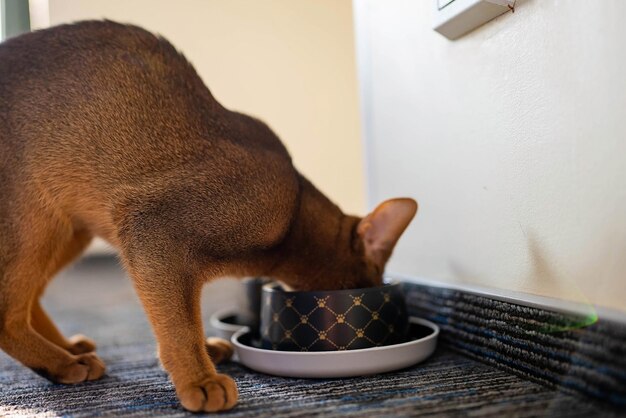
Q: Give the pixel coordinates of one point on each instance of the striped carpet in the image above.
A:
(574, 353)
(94, 298)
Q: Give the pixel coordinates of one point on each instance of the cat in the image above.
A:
(107, 130)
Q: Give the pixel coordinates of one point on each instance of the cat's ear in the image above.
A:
(381, 229)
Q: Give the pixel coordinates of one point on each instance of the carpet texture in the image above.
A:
(94, 298)
(579, 354)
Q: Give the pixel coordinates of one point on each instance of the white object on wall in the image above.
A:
(455, 18)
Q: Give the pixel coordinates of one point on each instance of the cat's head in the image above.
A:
(329, 250)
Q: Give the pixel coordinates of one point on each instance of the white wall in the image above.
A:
(290, 63)
(512, 138)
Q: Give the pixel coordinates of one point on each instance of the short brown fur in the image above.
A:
(106, 130)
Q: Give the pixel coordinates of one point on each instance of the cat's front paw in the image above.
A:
(79, 344)
(219, 349)
(216, 393)
(83, 367)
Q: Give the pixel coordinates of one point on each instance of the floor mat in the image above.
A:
(96, 299)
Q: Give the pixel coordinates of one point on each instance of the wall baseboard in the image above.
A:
(574, 351)
(521, 298)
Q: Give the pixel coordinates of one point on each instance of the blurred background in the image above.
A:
(511, 137)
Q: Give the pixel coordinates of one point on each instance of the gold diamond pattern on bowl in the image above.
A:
(340, 318)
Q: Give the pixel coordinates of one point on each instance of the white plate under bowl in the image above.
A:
(223, 329)
(331, 364)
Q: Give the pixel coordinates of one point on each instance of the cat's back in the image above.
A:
(97, 64)
(99, 113)
(78, 45)
(46, 72)
(76, 76)
(115, 93)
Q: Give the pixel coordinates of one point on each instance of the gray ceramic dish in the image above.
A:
(421, 344)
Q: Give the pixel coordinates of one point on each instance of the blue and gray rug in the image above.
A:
(579, 354)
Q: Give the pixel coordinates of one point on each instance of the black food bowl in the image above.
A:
(332, 320)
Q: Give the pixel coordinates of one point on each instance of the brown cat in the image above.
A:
(106, 130)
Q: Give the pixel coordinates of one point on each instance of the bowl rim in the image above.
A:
(412, 319)
(271, 288)
(216, 319)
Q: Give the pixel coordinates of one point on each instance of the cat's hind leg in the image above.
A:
(77, 344)
(37, 244)
(41, 322)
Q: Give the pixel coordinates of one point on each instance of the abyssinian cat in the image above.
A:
(106, 130)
